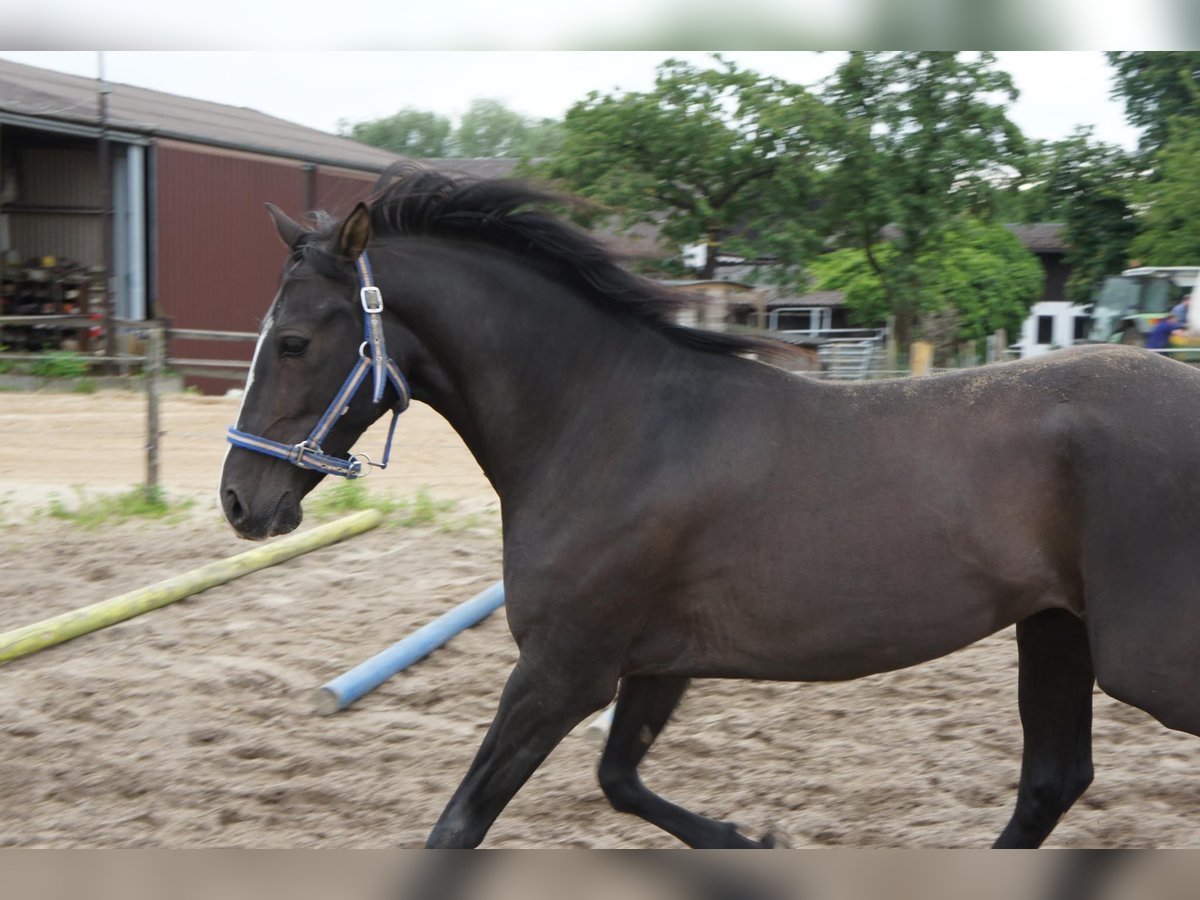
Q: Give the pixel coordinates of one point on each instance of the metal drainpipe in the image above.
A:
(310, 186)
(110, 337)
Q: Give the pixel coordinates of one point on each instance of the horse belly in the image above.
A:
(785, 637)
(861, 595)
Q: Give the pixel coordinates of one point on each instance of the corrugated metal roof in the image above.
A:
(45, 94)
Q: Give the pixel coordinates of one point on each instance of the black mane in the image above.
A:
(515, 216)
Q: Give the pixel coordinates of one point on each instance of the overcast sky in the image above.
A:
(1059, 89)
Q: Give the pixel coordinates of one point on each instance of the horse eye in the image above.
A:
(293, 346)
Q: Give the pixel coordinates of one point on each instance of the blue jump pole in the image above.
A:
(366, 676)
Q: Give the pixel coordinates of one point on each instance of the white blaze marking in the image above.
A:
(268, 324)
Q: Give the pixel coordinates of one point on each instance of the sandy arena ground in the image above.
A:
(191, 726)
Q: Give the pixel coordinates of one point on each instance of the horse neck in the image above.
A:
(518, 363)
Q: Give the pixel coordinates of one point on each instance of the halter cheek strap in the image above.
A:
(372, 304)
(372, 358)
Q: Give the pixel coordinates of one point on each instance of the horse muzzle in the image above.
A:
(256, 522)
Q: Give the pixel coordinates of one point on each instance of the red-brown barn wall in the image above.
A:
(218, 256)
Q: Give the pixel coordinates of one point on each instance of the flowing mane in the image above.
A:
(515, 216)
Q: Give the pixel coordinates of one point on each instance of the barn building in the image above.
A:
(169, 188)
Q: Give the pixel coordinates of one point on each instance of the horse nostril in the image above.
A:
(233, 506)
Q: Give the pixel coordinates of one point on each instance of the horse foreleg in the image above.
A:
(1055, 698)
(644, 704)
(536, 711)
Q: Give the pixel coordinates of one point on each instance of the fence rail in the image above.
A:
(58, 321)
(234, 369)
(863, 345)
(152, 363)
(201, 334)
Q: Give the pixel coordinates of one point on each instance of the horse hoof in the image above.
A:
(771, 839)
(775, 840)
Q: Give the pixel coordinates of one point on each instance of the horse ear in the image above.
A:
(354, 233)
(288, 230)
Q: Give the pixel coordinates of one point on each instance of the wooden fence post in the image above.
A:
(893, 351)
(156, 339)
(920, 358)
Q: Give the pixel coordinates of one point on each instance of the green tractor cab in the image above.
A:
(1129, 305)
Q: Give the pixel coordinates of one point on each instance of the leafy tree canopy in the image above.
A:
(920, 138)
(1089, 187)
(411, 132)
(979, 270)
(1171, 225)
(488, 129)
(1156, 87)
(714, 154)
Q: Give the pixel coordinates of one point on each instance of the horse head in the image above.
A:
(299, 409)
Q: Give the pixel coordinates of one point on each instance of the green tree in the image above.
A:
(979, 270)
(920, 137)
(1171, 225)
(1089, 187)
(411, 132)
(541, 139)
(1156, 86)
(489, 129)
(713, 154)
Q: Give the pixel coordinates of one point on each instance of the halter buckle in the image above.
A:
(372, 299)
(300, 449)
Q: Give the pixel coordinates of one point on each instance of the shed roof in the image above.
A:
(1041, 237)
(43, 94)
(490, 167)
(807, 301)
(697, 283)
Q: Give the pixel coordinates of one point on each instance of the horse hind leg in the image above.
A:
(1055, 698)
(644, 704)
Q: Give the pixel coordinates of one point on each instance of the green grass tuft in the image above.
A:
(135, 503)
(345, 497)
(422, 509)
(413, 512)
(61, 364)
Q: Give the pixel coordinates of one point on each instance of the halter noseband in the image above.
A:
(372, 356)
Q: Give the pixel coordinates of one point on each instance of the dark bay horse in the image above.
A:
(673, 509)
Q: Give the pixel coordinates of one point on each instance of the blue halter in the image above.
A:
(372, 356)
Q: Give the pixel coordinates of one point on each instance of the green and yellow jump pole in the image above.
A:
(48, 632)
